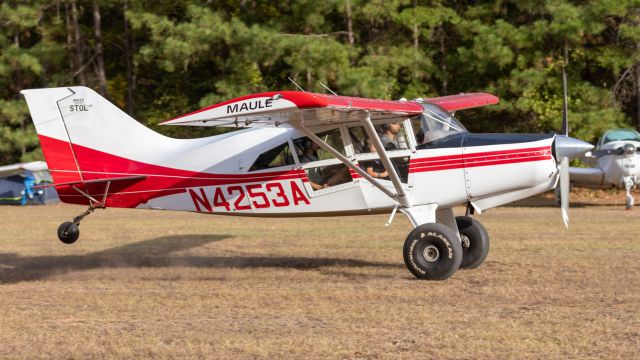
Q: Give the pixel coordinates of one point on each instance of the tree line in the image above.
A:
(160, 59)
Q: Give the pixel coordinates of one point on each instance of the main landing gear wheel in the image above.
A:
(475, 242)
(68, 232)
(432, 252)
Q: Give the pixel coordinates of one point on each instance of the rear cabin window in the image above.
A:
(276, 157)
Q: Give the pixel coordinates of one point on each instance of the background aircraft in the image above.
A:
(17, 183)
(99, 156)
(614, 162)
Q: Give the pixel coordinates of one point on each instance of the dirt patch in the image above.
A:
(147, 284)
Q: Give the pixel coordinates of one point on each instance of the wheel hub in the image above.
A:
(431, 253)
(466, 243)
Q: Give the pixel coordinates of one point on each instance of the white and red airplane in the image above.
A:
(304, 154)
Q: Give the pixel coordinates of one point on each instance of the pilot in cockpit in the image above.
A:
(389, 136)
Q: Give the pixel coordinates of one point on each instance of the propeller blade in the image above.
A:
(605, 152)
(565, 109)
(564, 190)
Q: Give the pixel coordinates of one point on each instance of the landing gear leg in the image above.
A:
(628, 184)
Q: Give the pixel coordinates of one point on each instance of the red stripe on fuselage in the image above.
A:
(488, 158)
(160, 181)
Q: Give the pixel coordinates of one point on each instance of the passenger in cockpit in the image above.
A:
(375, 168)
(309, 154)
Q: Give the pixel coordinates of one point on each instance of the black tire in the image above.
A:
(475, 242)
(68, 232)
(432, 252)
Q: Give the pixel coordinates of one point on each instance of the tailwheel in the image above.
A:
(475, 242)
(432, 252)
(68, 232)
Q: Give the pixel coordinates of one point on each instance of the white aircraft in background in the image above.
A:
(20, 168)
(423, 165)
(615, 162)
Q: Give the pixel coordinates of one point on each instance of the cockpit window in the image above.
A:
(620, 135)
(435, 123)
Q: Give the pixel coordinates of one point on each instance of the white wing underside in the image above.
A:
(313, 118)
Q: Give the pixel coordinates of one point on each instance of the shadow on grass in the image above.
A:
(155, 253)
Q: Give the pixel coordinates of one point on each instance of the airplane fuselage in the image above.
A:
(485, 169)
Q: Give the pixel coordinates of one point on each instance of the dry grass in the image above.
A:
(143, 284)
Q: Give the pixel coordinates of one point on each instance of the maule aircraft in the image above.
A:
(304, 154)
(614, 162)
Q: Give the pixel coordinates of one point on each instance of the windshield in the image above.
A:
(435, 123)
(620, 135)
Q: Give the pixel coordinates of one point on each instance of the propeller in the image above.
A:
(563, 168)
(566, 148)
(605, 152)
(564, 190)
(565, 110)
(628, 150)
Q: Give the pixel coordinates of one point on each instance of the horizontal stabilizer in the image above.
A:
(96, 181)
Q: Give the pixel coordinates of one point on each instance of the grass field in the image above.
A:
(147, 284)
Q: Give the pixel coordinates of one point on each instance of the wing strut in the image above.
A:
(297, 120)
(393, 175)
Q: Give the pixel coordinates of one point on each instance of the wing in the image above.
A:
(586, 176)
(275, 109)
(17, 169)
(464, 101)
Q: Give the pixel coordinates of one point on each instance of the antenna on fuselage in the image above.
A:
(296, 84)
(326, 87)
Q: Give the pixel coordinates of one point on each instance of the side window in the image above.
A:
(333, 138)
(325, 176)
(276, 157)
(419, 129)
(359, 139)
(391, 134)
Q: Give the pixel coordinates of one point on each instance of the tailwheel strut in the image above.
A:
(69, 231)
